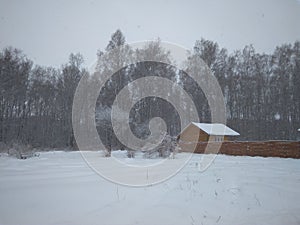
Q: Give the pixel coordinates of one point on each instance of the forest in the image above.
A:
(261, 92)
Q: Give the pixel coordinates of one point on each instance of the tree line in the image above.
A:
(261, 92)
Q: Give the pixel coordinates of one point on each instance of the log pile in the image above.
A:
(283, 149)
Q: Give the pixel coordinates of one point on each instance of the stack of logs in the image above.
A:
(283, 149)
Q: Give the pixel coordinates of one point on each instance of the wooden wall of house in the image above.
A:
(189, 138)
(193, 134)
(220, 138)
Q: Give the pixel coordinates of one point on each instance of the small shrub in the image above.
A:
(21, 151)
(107, 153)
(164, 149)
(130, 153)
(3, 147)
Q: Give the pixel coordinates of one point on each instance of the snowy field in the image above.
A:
(60, 188)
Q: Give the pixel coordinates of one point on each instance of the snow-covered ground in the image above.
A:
(60, 188)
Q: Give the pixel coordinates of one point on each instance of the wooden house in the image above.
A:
(204, 132)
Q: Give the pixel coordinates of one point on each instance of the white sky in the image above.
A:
(48, 30)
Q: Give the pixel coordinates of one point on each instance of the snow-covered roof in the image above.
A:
(216, 129)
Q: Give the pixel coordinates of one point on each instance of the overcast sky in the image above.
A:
(48, 30)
